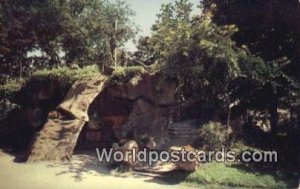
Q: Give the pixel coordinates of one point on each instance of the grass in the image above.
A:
(218, 175)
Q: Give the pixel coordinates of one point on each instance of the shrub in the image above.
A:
(10, 88)
(212, 136)
(65, 74)
(123, 75)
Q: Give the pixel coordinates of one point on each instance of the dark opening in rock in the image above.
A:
(107, 114)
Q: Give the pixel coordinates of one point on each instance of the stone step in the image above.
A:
(183, 128)
(182, 139)
(180, 143)
(176, 143)
(183, 133)
(190, 127)
(183, 136)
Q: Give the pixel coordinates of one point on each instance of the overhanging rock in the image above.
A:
(57, 139)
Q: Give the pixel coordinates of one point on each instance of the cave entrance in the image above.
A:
(107, 115)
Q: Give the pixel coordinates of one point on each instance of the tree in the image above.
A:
(270, 29)
(82, 31)
(100, 28)
(17, 36)
(202, 56)
(145, 52)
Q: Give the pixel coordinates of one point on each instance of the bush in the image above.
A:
(65, 74)
(212, 136)
(123, 75)
(10, 88)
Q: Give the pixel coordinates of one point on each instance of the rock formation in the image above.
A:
(143, 109)
(57, 139)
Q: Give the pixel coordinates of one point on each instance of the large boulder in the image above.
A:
(129, 146)
(185, 165)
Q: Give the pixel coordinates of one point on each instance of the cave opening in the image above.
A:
(107, 114)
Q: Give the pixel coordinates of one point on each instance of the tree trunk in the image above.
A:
(228, 124)
(274, 115)
(228, 120)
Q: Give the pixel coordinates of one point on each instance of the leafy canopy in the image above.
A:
(200, 54)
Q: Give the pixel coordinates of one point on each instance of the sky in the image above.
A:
(146, 11)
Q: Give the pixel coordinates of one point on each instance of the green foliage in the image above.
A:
(145, 51)
(201, 55)
(218, 175)
(65, 74)
(123, 75)
(85, 31)
(95, 29)
(274, 37)
(10, 88)
(212, 136)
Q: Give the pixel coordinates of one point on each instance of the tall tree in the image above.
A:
(271, 30)
(95, 27)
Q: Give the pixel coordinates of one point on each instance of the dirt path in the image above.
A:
(83, 172)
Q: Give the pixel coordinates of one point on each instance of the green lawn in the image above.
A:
(219, 176)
